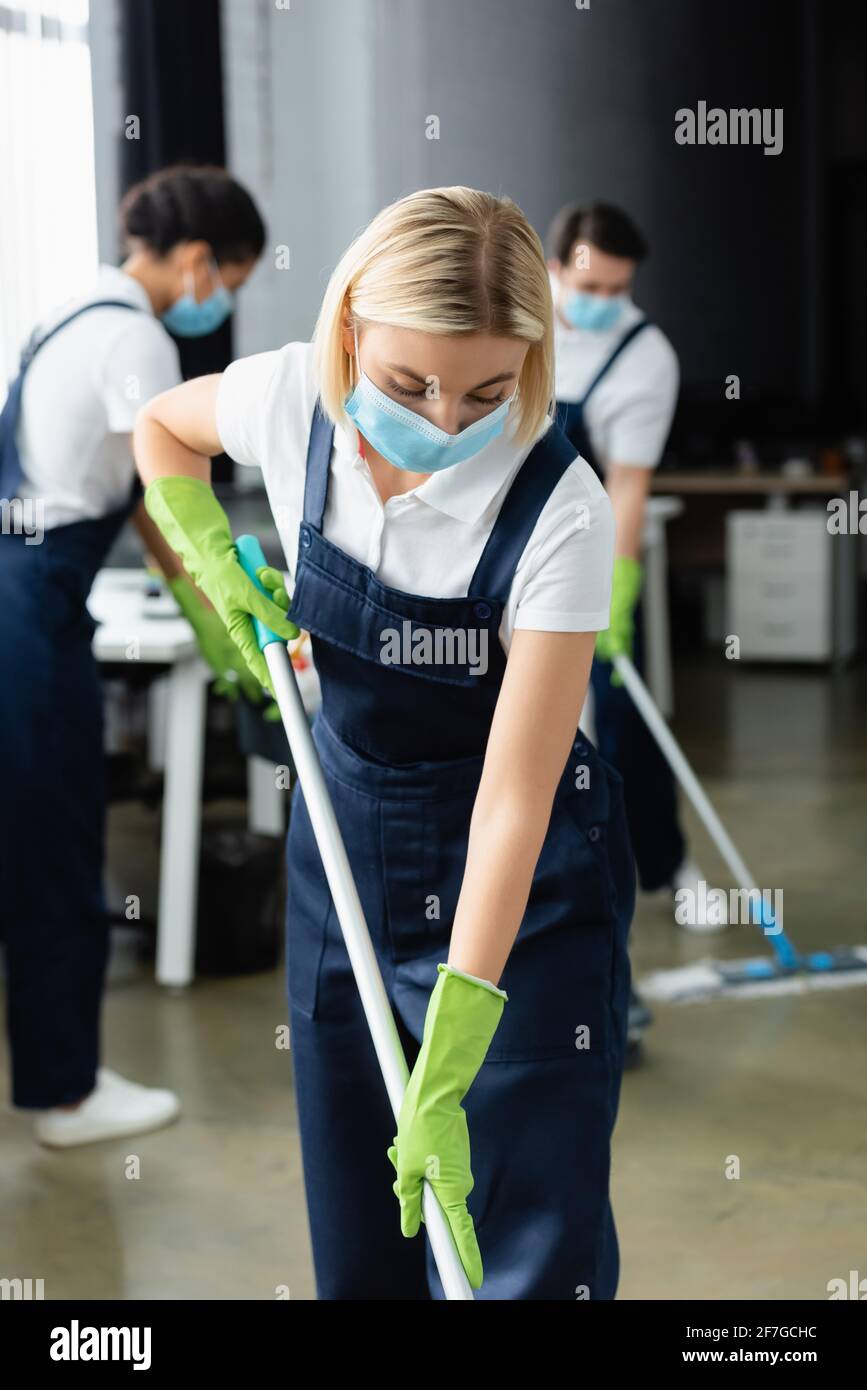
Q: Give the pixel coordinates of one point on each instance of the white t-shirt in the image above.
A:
(81, 396)
(427, 541)
(629, 414)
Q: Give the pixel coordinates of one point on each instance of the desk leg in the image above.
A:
(265, 800)
(158, 693)
(182, 807)
(657, 641)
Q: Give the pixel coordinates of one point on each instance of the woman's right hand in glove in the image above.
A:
(196, 527)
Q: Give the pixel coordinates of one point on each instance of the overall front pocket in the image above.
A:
(559, 972)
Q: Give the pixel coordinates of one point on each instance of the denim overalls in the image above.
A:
(402, 746)
(52, 799)
(623, 737)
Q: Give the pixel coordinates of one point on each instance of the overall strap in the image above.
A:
(609, 361)
(10, 462)
(318, 460)
(35, 342)
(537, 478)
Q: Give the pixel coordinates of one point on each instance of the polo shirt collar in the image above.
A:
(114, 283)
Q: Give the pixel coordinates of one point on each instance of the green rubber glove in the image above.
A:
(618, 637)
(432, 1140)
(215, 644)
(197, 528)
(274, 582)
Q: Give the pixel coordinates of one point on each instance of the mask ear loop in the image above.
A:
(515, 399)
(356, 376)
(356, 366)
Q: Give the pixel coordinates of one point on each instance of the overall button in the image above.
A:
(482, 610)
(593, 834)
(304, 536)
(581, 749)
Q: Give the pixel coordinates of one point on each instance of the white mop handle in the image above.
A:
(683, 772)
(350, 915)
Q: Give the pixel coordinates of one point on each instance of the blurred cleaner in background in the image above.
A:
(617, 381)
(191, 238)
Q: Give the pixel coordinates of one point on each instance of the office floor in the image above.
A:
(218, 1211)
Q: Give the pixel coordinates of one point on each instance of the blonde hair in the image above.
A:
(443, 260)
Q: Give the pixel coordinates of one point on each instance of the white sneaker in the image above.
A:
(693, 912)
(115, 1108)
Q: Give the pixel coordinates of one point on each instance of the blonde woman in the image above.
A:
(452, 558)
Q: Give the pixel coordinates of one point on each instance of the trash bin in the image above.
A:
(242, 894)
(258, 737)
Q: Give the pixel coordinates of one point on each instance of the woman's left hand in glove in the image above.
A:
(432, 1141)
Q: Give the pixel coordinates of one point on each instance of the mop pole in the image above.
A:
(350, 913)
(641, 697)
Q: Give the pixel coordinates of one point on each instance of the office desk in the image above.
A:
(722, 484)
(696, 541)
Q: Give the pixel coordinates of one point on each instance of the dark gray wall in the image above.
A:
(548, 103)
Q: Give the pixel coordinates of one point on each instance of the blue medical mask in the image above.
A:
(410, 441)
(188, 319)
(594, 311)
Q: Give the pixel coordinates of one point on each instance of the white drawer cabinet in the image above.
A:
(790, 586)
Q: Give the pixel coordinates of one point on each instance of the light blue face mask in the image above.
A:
(189, 319)
(410, 441)
(597, 312)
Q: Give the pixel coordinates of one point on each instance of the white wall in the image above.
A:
(299, 134)
(107, 122)
(327, 104)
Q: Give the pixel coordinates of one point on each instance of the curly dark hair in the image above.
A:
(190, 202)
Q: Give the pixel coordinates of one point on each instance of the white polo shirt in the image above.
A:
(629, 414)
(427, 541)
(81, 396)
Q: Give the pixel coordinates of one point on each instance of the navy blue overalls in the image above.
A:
(52, 798)
(402, 748)
(623, 737)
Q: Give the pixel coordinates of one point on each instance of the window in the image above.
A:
(48, 234)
